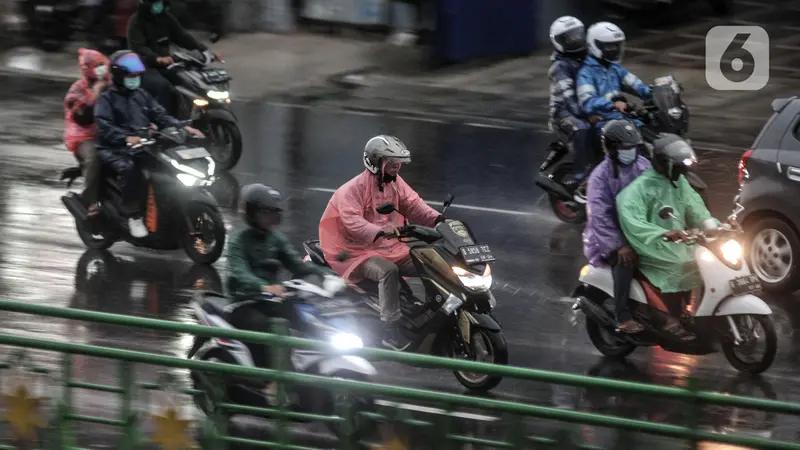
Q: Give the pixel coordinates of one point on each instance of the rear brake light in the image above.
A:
(743, 164)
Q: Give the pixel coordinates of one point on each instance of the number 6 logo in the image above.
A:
(737, 58)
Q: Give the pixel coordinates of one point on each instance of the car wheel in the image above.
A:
(773, 254)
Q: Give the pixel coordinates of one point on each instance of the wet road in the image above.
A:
(307, 153)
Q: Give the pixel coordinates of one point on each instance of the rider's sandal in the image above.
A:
(676, 329)
(630, 327)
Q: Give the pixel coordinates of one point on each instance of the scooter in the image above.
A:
(727, 313)
(180, 213)
(665, 112)
(454, 319)
(204, 98)
(315, 312)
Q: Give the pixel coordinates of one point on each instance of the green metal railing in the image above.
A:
(515, 417)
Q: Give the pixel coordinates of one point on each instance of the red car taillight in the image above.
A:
(743, 164)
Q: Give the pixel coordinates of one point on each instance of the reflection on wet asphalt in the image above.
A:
(307, 153)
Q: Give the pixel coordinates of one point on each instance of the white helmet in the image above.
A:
(568, 35)
(384, 147)
(606, 41)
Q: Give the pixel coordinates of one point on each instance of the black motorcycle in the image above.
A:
(205, 100)
(665, 112)
(454, 319)
(180, 212)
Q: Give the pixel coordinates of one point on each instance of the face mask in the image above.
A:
(133, 83)
(626, 157)
(157, 8)
(100, 71)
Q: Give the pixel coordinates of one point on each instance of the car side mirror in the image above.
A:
(666, 212)
(386, 208)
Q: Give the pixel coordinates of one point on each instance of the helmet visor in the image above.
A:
(573, 40)
(612, 51)
(391, 161)
(131, 63)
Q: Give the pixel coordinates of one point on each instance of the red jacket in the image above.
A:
(79, 124)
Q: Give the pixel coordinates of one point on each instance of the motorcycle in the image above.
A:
(726, 313)
(204, 98)
(665, 112)
(454, 319)
(314, 312)
(180, 212)
(53, 23)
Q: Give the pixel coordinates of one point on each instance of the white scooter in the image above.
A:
(728, 313)
(316, 312)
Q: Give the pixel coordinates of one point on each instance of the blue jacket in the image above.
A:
(562, 74)
(120, 113)
(597, 85)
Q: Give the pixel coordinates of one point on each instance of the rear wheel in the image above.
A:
(773, 244)
(226, 143)
(101, 240)
(607, 342)
(205, 239)
(566, 210)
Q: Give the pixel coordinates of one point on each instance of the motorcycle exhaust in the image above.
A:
(596, 313)
(552, 187)
(75, 206)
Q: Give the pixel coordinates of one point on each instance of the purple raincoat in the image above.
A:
(602, 235)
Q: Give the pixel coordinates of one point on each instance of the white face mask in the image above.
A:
(626, 156)
(101, 71)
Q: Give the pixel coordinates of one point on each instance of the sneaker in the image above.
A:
(394, 339)
(137, 228)
(579, 195)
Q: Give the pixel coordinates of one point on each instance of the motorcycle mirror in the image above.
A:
(447, 202)
(386, 208)
(666, 212)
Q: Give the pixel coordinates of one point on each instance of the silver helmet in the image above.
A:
(384, 147)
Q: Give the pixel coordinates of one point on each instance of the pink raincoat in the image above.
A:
(350, 222)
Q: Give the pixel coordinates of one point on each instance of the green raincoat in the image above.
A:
(669, 266)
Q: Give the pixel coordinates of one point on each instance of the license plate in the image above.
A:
(193, 153)
(745, 285)
(475, 254)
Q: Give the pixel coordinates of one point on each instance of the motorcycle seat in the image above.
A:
(218, 305)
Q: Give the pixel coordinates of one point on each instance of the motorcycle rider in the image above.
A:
(79, 127)
(568, 37)
(252, 280)
(151, 30)
(603, 241)
(350, 225)
(602, 78)
(121, 113)
(669, 267)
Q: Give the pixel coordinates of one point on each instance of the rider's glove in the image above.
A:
(439, 219)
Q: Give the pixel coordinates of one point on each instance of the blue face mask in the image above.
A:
(626, 157)
(157, 8)
(133, 83)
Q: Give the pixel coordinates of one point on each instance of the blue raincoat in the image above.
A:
(603, 235)
(597, 85)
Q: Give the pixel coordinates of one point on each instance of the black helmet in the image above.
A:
(255, 198)
(672, 156)
(125, 63)
(618, 135)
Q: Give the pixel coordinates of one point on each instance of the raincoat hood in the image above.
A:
(88, 59)
(350, 222)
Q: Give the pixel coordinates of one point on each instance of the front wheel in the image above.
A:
(753, 329)
(205, 238)
(358, 425)
(100, 240)
(485, 346)
(226, 143)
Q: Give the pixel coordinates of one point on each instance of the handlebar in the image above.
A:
(693, 235)
(409, 231)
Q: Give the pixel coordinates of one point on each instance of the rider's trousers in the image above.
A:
(387, 274)
(579, 133)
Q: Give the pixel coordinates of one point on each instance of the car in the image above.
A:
(768, 202)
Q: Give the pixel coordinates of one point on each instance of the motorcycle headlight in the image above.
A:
(187, 180)
(731, 252)
(346, 341)
(218, 95)
(474, 281)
